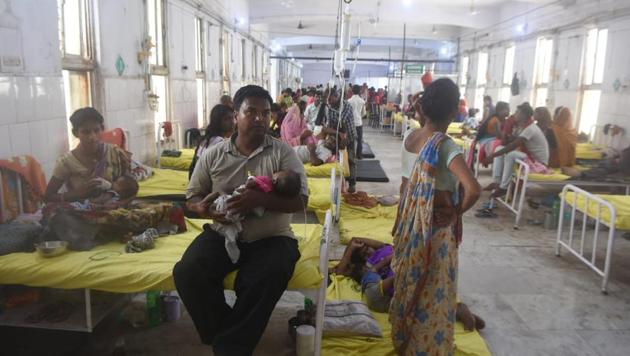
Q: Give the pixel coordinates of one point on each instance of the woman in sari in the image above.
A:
(424, 303)
(566, 140)
(86, 170)
(294, 130)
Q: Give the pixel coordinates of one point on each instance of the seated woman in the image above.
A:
(84, 170)
(492, 128)
(542, 116)
(566, 140)
(294, 130)
(368, 262)
(220, 128)
(277, 116)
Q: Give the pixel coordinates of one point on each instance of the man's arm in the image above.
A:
(509, 148)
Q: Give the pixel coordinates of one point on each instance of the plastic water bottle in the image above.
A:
(154, 314)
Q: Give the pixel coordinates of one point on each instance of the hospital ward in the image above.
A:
(315, 178)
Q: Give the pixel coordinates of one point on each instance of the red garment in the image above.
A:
(265, 183)
(31, 173)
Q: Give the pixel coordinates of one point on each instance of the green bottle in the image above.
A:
(154, 314)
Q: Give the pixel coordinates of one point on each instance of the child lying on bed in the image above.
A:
(113, 195)
(285, 184)
(317, 154)
(368, 261)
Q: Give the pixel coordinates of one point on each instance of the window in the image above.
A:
(463, 77)
(243, 61)
(225, 62)
(156, 27)
(508, 69)
(592, 77)
(255, 74)
(77, 56)
(482, 70)
(200, 70)
(155, 22)
(542, 70)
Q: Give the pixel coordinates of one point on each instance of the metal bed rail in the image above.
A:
(569, 242)
(514, 198)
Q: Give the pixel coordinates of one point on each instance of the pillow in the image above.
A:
(349, 318)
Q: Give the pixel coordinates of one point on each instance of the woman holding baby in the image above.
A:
(90, 168)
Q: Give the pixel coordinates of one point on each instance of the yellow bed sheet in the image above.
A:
(164, 181)
(620, 202)
(171, 182)
(454, 128)
(343, 288)
(589, 151)
(375, 223)
(182, 162)
(109, 268)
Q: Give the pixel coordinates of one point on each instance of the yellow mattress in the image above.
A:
(375, 223)
(172, 182)
(163, 182)
(589, 151)
(319, 194)
(620, 202)
(182, 162)
(469, 343)
(109, 268)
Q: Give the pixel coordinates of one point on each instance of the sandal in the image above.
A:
(486, 214)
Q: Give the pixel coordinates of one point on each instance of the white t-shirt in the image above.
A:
(321, 152)
(536, 143)
(358, 109)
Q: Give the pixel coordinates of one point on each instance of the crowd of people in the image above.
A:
(250, 136)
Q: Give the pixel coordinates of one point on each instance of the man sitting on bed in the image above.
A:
(504, 158)
(269, 250)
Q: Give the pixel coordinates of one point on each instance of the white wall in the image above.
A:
(568, 26)
(32, 116)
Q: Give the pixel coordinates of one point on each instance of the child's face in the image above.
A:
(119, 185)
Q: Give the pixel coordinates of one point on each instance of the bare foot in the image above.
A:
(463, 315)
(479, 323)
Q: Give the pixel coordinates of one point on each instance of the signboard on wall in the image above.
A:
(414, 68)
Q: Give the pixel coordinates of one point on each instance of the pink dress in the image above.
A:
(293, 126)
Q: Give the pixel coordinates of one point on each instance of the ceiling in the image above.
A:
(432, 24)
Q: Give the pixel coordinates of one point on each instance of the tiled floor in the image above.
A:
(534, 303)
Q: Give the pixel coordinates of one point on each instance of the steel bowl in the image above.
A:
(51, 248)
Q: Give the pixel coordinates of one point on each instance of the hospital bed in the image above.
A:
(108, 268)
(514, 198)
(611, 212)
(171, 185)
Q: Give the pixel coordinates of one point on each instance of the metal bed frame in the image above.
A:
(514, 198)
(175, 138)
(579, 251)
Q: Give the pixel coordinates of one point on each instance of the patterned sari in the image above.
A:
(422, 311)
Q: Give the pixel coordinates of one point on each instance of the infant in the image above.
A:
(285, 184)
(124, 187)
